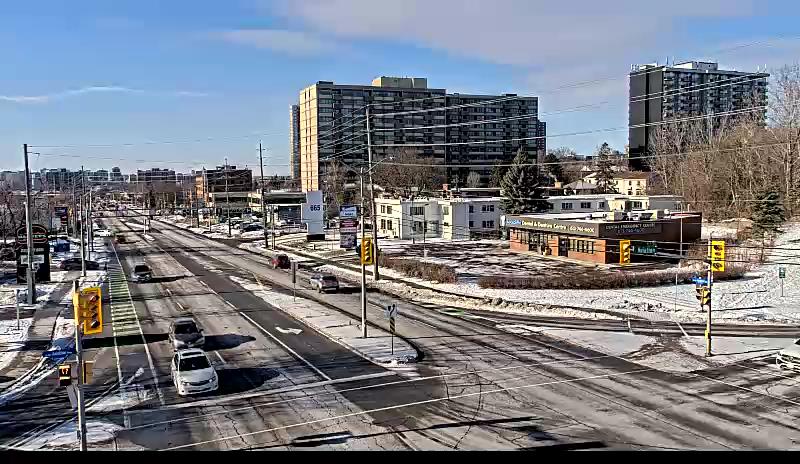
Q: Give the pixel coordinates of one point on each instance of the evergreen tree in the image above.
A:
(553, 166)
(519, 186)
(498, 172)
(605, 173)
(768, 213)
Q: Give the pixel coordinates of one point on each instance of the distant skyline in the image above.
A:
(181, 84)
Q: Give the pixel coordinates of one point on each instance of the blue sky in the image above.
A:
(217, 77)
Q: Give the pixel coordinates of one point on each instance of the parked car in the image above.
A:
(193, 373)
(142, 273)
(184, 332)
(280, 261)
(789, 357)
(120, 238)
(252, 227)
(102, 233)
(324, 282)
(74, 264)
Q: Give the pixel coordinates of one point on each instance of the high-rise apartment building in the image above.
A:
(684, 91)
(447, 128)
(294, 141)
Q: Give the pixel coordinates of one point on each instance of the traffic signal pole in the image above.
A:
(363, 266)
(79, 389)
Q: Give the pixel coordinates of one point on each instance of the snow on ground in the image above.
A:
(12, 339)
(755, 298)
(98, 432)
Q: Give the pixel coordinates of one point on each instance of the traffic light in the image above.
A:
(624, 251)
(89, 310)
(64, 375)
(703, 295)
(717, 255)
(367, 255)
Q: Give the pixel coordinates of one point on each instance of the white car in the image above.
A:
(192, 372)
(789, 357)
(102, 233)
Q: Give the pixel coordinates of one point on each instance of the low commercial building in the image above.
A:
(624, 182)
(284, 205)
(612, 202)
(654, 235)
(447, 218)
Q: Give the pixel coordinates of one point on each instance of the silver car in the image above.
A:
(324, 283)
(184, 332)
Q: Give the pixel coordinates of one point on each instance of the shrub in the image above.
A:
(610, 280)
(422, 270)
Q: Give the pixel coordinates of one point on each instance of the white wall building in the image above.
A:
(447, 218)
(612, 202)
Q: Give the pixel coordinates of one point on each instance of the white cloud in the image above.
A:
(45, 98)
(288, 42)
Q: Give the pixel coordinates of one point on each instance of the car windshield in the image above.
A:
(185, 328)
(329, 279)
(194, 363)
(141, 268)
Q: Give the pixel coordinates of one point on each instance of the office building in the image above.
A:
(155, 175)
(405, 111)
(294, 141)
(459, 218)
(687, 90)
(222, 179)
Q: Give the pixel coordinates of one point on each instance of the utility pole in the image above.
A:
(79, 389)
(227, 198)
(710, 278)
(29, 274)
(83, 226)
(263, 208)
(90, 231)
(363, 266)
(374, 215)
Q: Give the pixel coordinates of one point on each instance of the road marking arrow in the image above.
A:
(287, 331)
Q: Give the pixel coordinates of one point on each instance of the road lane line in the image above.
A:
(293, 352)
(406, 405)
(284, 345)
(681, 327)
(144, 340)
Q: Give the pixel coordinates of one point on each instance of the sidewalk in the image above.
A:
(27, 354)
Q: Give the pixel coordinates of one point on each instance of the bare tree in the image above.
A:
(473, 179)
(408, 169)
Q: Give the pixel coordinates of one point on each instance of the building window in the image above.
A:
(445, 210)
(389, 209)
(417, 210)
(488, 224)
(636, 204)
(383, 224)
(566, 205)
(389, 224)
(471, 209)
(601, 204)
(383, 208)
(586, 205)
(471, 224)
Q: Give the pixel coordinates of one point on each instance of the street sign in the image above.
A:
(700, 280)
(717, 255)
(781, 272)
(391, 311)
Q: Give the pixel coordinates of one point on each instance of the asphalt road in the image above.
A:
(517, 391)
(476, 386)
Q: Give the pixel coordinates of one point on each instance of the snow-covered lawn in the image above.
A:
(756, 298)
(12, 339)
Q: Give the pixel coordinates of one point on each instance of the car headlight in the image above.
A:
(185, 384)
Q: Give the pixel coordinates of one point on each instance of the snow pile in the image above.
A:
(98, 432)
(12, 339)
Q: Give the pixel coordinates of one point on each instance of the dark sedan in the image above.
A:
(74, 264)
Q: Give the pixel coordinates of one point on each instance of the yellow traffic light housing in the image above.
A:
(89, 310)
(624, 252)
(717, 255)
(64, 375)
(706, 297)
(367, 255)
(699, 290)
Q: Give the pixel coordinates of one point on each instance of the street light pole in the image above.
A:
(263, 208)
(374, 214)
(29, 274)
(227, 199)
